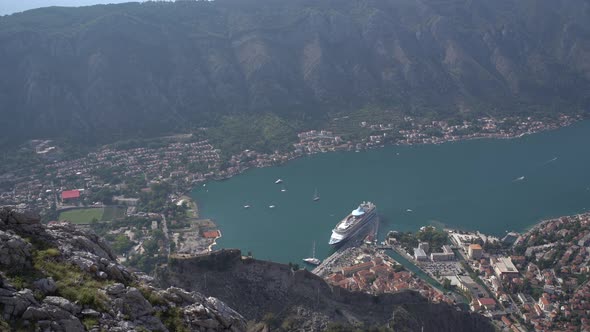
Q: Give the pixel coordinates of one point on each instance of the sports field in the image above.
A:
(82, 216)
(113, 213)
(86, 215)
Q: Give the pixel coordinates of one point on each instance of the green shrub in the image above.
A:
(18, 282)
(89, 323)
(72, 283)
(152, 297)
(172, 318)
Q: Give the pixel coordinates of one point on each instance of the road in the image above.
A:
(165, 231)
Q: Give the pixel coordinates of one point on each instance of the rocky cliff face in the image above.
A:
(93, 71)
(57, 278)
(303, 300)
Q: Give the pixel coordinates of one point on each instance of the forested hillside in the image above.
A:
(112, 71)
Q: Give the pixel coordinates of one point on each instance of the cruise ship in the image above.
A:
(364, 214)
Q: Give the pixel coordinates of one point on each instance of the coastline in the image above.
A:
(282, 159)
(476, 136)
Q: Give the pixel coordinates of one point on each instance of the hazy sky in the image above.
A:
(13, 6)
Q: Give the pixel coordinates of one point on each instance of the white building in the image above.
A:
(446, 255)
(420, 255)
(504, 268)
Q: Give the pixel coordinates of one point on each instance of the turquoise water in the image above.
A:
(470, 185)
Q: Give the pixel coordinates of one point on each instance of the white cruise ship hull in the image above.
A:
(349, 227)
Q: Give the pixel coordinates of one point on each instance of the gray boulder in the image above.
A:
(62, 304)
(61, 320)
(46, 285)
(15, 303)
(15, 253)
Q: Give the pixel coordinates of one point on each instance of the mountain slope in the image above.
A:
(140, 69)
(304, 301)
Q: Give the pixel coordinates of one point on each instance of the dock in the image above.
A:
(355, 240)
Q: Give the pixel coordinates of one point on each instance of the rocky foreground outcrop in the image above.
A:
(58, 278)
(301, 301)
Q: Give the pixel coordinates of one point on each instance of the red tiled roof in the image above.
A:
(211, 234)
(68, 194)
(486, 301)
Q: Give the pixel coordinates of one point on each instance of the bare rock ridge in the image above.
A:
(57, 278)
(258, 288)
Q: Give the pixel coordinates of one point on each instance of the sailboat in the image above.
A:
(312, 260)
(316, 196)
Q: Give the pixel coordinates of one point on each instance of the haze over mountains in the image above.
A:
(109, 71)
(14, 6)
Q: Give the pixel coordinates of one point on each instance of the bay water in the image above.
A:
(489, 185)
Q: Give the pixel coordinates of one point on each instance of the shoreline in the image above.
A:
(571, 121)
(477, 136)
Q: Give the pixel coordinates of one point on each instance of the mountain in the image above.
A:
(59, 278)
(300, 300)
(110, 71)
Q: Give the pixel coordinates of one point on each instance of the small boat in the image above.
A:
(246, 206)
(204, 185)
(316, 196)
(519, 179)
(312, 260)
(409, 210)
(278, 181)
(271, 206)
(283, 189)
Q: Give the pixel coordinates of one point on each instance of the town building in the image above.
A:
(350, 270)
(420, 255)
(468, 285)
(70, 196)
(503, 268)
(487, 303)
(126, 200)
(475, 251)
(585, 241)
(545, 304)
(446, 255)
(424, 246)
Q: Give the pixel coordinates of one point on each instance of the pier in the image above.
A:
(355, 240)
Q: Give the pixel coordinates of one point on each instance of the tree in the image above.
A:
(122, 244)
(447, 284)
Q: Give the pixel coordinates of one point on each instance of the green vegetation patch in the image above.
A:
(72, 283)
(113, 213)
(82, 216)
(261, 132)
(173, 319)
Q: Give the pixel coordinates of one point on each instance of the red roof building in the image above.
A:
(487, 302)
(70, 194)
(211, 234)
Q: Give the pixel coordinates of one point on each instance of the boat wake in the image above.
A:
(549, 161)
